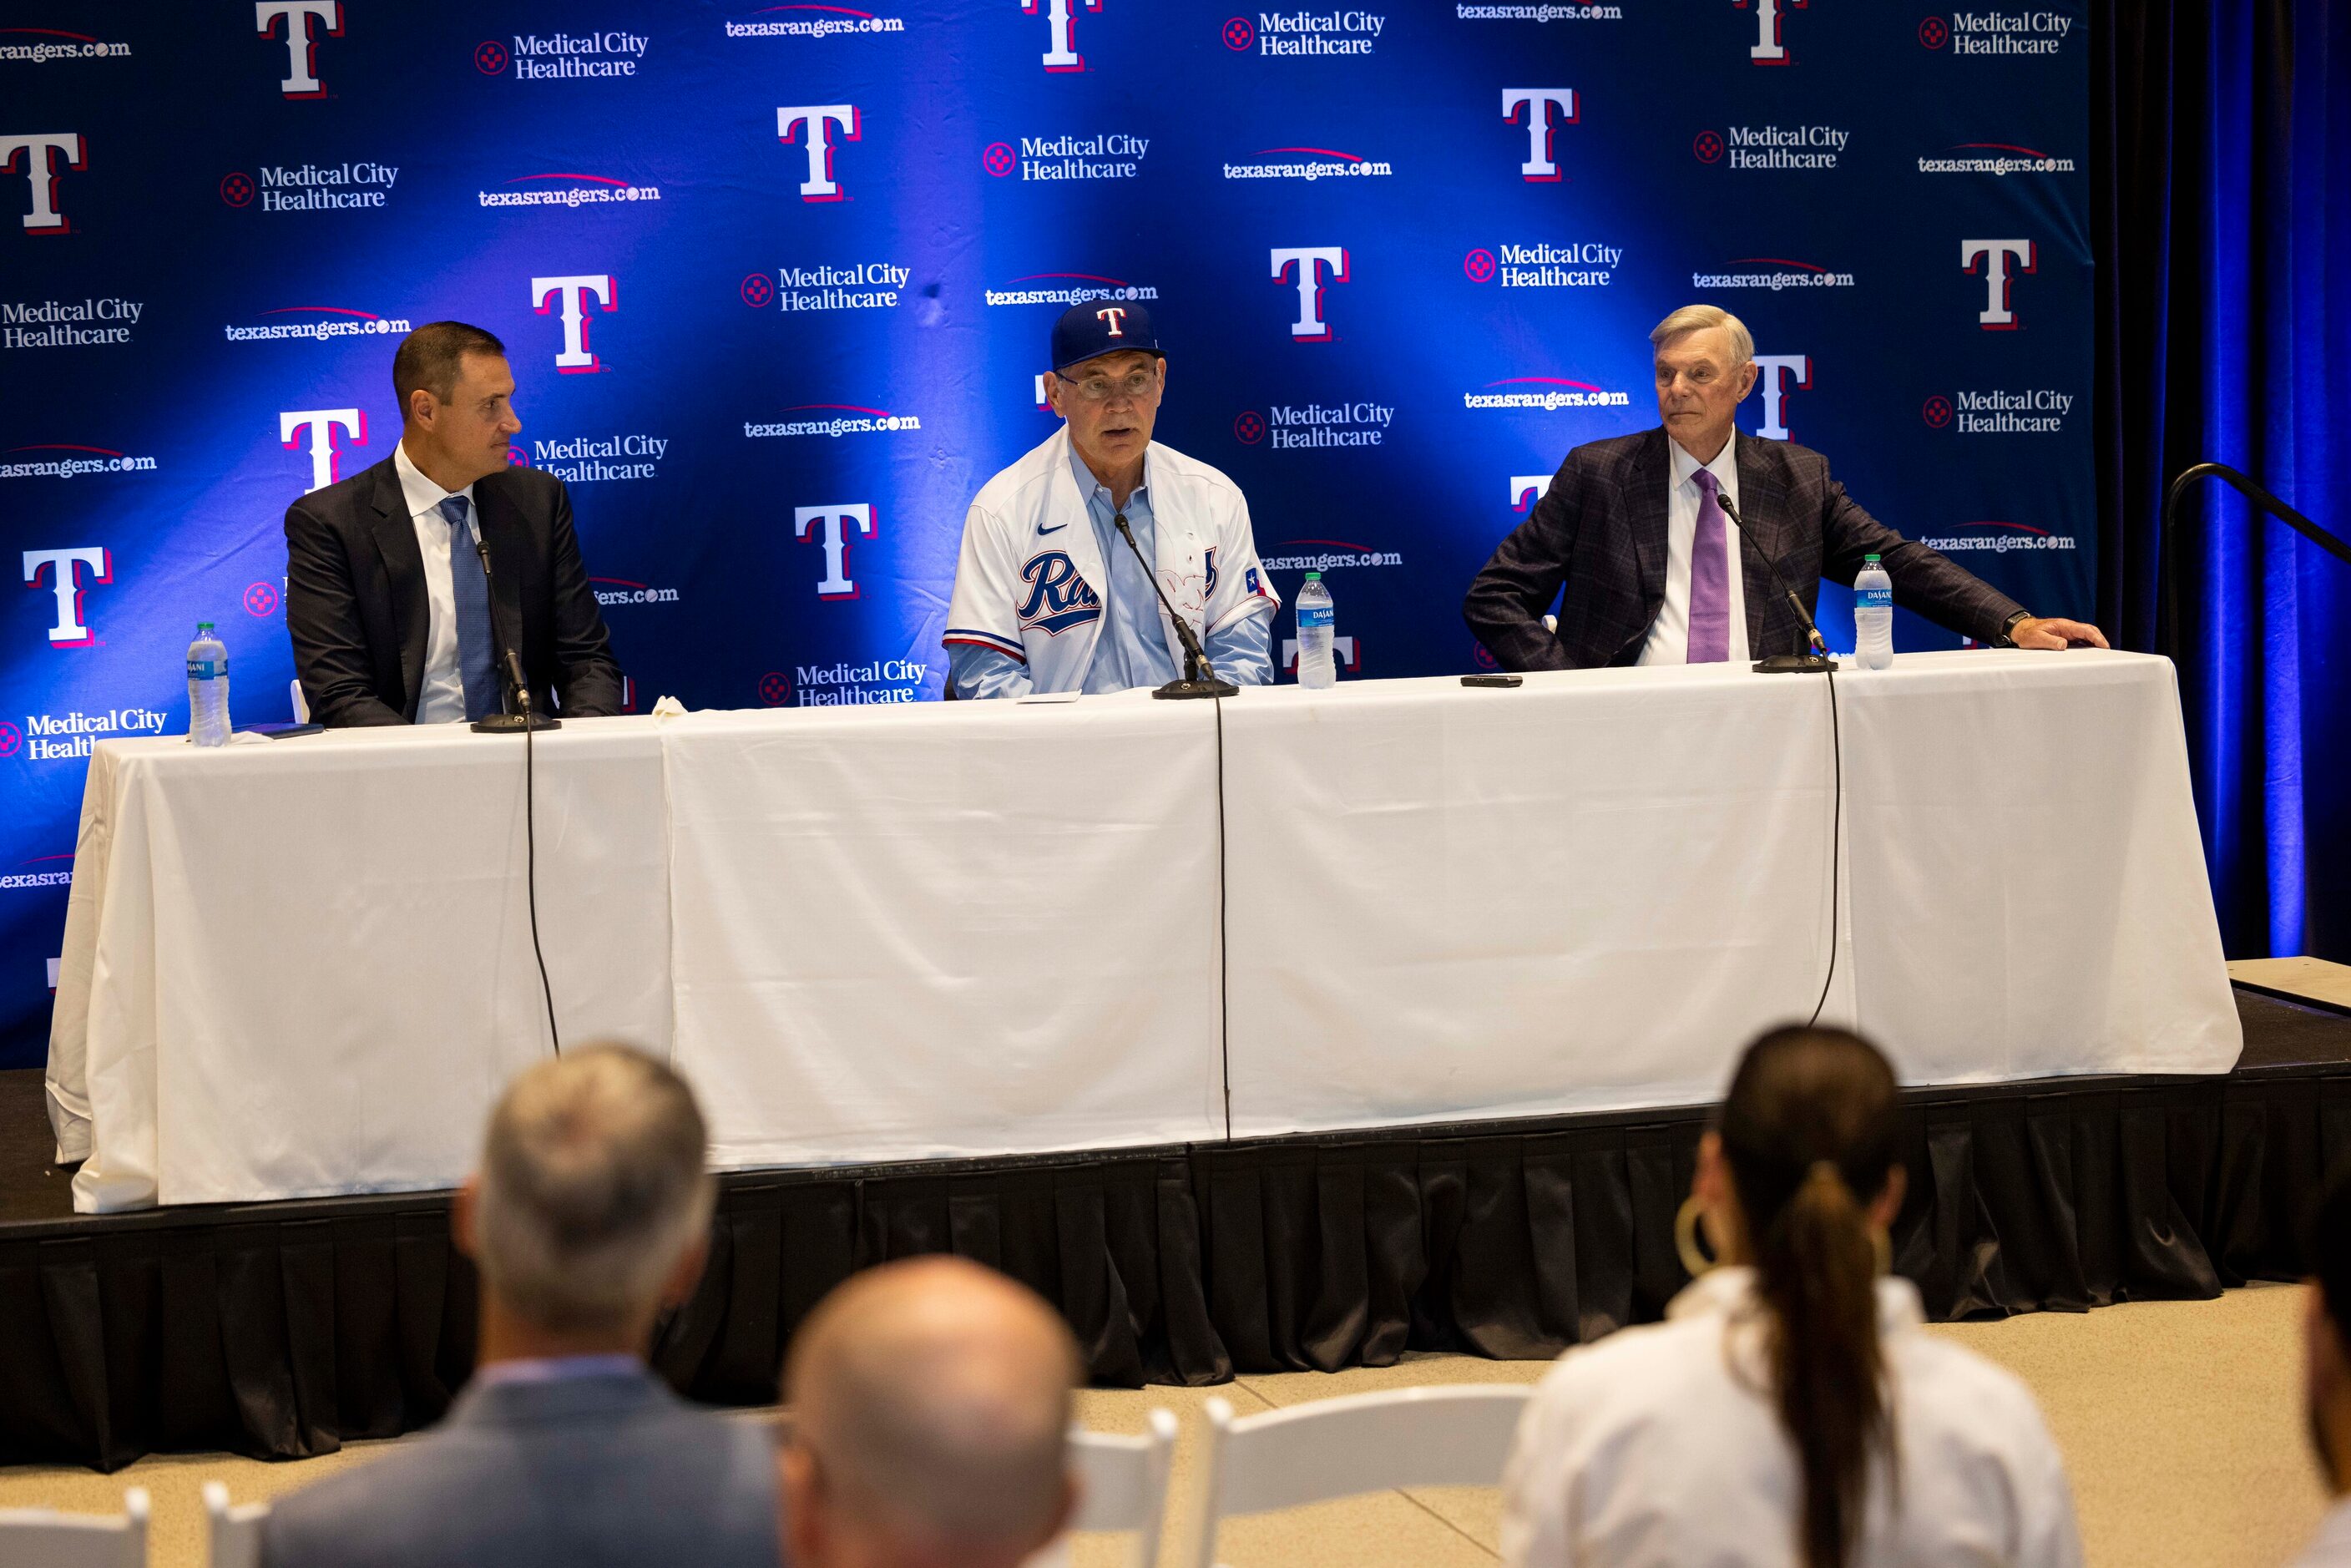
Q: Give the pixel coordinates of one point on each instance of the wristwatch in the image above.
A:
(2007, 638)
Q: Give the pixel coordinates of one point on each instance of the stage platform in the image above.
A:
(281, 1329)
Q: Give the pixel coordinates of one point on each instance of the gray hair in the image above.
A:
(1698, 318)
(594, 1184)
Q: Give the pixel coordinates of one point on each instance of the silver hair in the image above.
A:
(1697, 319)
(594, 1184)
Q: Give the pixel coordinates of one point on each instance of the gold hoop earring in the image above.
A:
(1686, 1237)
(1882, 1245)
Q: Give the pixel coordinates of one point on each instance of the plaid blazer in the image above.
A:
(1599, 534)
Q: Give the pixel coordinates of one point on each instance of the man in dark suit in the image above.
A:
(1635, 530)
(385, 595)
(588, 1217)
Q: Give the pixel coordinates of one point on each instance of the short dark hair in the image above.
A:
(429, 358)
(2327, 1249)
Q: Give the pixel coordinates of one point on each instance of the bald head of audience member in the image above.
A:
(589, 1213)
(931, 1404)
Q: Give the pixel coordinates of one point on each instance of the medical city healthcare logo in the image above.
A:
(561, 56)
(1295, 35)
(317, 324)
(302, 23)
(826, 286)
(1983, 33)
(1291, 427)
(67, 323)
(1105, 156)
(311, 187)
(43, 158)
(1579, 264)
(595, 459)
(1751, 148)
(1998, 411)
(67, 736)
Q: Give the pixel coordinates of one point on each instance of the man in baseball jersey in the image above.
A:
(1048, 595)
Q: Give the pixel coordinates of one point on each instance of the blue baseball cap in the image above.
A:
(1100, 327)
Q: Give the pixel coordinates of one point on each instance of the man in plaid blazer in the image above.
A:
(1635, 530)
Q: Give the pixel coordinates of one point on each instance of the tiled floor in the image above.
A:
(2180, 1423)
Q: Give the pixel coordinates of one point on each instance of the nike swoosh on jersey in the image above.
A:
(1042, 530)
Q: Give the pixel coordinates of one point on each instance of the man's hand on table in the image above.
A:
(2054, 632)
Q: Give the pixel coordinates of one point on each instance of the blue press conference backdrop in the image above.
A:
(775, 283)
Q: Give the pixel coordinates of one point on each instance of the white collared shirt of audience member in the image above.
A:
(1659, 1447)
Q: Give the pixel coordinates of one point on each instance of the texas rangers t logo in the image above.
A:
(1057, 597)
(1112, 315)
(301, 43)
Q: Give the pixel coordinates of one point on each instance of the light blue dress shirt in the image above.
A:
(1132, 650)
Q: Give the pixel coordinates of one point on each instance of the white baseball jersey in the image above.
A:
(1028, 582)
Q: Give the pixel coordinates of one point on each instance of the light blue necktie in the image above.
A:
(473, 595)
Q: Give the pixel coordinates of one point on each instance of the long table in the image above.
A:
(998, 928)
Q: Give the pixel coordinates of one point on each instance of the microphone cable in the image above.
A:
(1836, 845)
(530, 870)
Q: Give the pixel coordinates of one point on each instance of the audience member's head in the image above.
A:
(930, 1407)
(1798, 1181)
(591, 1211)
(2327, 1328)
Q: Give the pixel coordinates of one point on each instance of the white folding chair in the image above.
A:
(44, 1538)
(233, 1529)
(1122, 1486)
(1341, 1448)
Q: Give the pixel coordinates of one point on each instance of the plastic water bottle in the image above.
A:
(207, 688)
(1873, 616)
(1316, 668)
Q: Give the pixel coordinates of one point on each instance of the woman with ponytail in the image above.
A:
(1790, 1412)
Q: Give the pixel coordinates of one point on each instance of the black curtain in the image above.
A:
(283, 1330)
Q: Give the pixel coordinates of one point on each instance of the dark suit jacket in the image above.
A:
(1600, 533)
(355, 598)
(592, 1471)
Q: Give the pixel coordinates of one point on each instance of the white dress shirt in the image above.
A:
(2331, 1547)
(1669, 639)
(1649, 1450)
(442, 699)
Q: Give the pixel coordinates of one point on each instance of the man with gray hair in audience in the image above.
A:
(589, 1216)
(930, 1408)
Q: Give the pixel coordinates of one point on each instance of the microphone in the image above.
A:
(1200, 678)
(510, 666)
(1816, 662)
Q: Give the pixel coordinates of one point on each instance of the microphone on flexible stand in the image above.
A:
(1815, 663)
(1200, 677)
(510, 674)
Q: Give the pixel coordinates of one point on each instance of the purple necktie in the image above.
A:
(1709, 601)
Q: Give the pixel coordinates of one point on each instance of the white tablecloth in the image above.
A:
(1591, 892)
(886, 933)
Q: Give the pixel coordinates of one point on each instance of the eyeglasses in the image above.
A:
(1101, 388)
